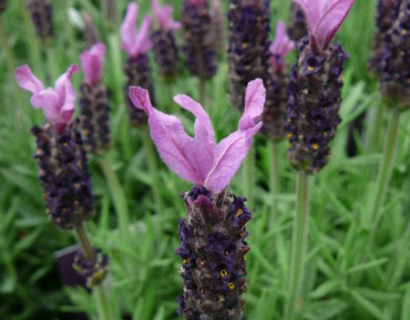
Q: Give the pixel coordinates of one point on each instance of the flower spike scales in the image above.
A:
(213, 247)
(315, 85)
(136, 44)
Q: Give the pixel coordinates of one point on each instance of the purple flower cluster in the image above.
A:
(395, 63)
(297, 24)
(248, 49)
(213, 252)
(42, 17)
(200, 45)
(93, 271)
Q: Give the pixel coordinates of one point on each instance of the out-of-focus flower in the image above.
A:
(42, 17)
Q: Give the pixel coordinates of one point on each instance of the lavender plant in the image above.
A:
(163, 40)
(63, 170)
(312, 118)
(42, 18)
(137, 68)
(248, 50)
(297, 24)
(94, 102)
(213, 248)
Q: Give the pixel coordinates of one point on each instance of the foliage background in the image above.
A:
(345, 279)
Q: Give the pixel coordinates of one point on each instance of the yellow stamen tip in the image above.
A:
(223, 273)
(231, 286)
(315, 146)
(239, 212)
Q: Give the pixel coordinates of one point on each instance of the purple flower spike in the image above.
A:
(324, 18)
(57, 103)
(92, 62)
(163, 14)
(133, 42)
(200, 160)
(281, 47)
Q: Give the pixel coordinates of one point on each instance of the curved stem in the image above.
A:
(385, 169)
(274, 178)
(299, 246)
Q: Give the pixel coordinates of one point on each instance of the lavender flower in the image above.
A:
(248, 51)
(62, 161)
(3, 5)
(163, 39)
(42, 17)
(212, 237)
(94, 102)
(274, 117)
(93, 271)
(395, 73)
(200, 44)
(315, 86)
(91, 35)
(297, 24)
(137, 68)
(384, 22)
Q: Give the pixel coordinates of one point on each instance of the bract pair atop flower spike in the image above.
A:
(58, 104)
(164, 17)
(324, 18)
(133, 42)
(92, 62)
(201, 160)
(280, 47)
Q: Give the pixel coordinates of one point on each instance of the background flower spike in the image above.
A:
(42, 17)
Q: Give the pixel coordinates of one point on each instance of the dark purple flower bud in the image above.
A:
(213, 252)
(200, 43)
(248, 50)
(297, 24)
(166, 52)
(91, 34)
(94, 271)
(63, 173)
(395, 74)
(3, 5)
(384, 22)
(42, 17)
(314, 100)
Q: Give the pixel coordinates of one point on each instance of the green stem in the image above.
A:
(274, 178)
(375, 129)
(248, 183)
(117, 195)
(100, 295)
(385, 169)
(299, 246)
(153, 167)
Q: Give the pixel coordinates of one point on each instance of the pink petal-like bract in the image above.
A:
(197, 2)
(324, 18)
(283, 44)
(134, 42)
(58, 104)
(163, 14)
(200, 160)
(92, 62)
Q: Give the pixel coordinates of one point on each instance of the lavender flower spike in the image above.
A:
(136, 45)
(213, 247)
(315, 86)
(297, 24)
(94, 102)
(42, 18)
(163, 39)
(63, 170)
(274, 117)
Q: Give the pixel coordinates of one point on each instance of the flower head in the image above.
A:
(133, 42)
(324, 18)
(92, 62)
(163, 14)
(201, 160)
(280, 47)
(57, 103)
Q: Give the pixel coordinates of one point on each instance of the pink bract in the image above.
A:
(92, 62)
(280, 47)
(133, 42)
(163, 14)
(324, 18)
(200, 159)
(58, 104)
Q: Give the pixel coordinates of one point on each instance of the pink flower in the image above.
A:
(324, 18)
(196, 2)
(163, 14)
(133, 42)
(57, 103)
(92, 62)
(216, 6)
(200, 159)
(281, 47)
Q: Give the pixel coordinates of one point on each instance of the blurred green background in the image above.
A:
(345, 279)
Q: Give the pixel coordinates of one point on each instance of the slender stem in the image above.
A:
(385, 169)
(99, 292)
(202, 92)
(274, 178)
(153, 167)
(299, 246)
(375, 129)
(248, 183)
(118, 196)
